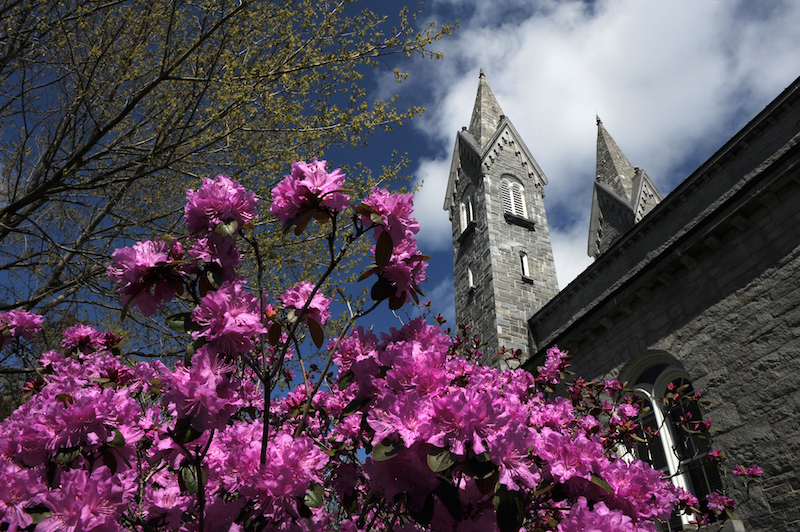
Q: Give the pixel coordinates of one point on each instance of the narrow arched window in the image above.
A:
(526, 268)
(513, 197)
(470, 278)
(466, 209)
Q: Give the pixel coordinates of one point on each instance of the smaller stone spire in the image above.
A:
(486, 113)
(623, 195)
(613, 168)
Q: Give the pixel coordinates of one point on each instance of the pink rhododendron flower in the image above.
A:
(406, 269)
(719, 502)
(219, 201)
(753, 471)
(554, 365)
(394, 211)
(86, 502)
(18, 324)
(598, 519)
(230, 317)
(205, 393)
(84, 339)
(296, 298)
(218, 249)
(19, 490)
(308, 189)
(569, 457)
(628, 410)
(149, 274)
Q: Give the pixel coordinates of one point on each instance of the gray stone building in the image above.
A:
(700, 287)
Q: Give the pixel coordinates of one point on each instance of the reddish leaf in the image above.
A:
(274, 334)
(397, 301)
(367, 274)
(383, 250)
(301, 222)
(381, 289)
(317, 334)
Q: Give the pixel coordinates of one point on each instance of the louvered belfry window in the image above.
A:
(513, 198)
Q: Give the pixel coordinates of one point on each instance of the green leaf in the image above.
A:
(182, 322)
(542, 488)
(118, 441)
(38, 513)
(449, 496)
(510, 510)
(184, 432)
(367, 273)
(602, 483)
(381, 289)
(345, 380)
(301, 222)
(227, 228)
(396, 301)
(355, 405)
(65, 455)
(479, 469)
(385, 450)
(383, 249)
(364, 210)
(189, 480)
(488, 484)
(191, 349)
(110, 461)
(440, 459)
(274, 334)
(315, 496)
(317, 334)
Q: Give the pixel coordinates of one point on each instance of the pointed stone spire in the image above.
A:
(613, 168)
(623, 195)
(486, 113)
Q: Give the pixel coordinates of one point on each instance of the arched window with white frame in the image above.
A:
(513, 197)
(680, 455)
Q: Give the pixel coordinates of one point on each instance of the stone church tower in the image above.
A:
(503, 259)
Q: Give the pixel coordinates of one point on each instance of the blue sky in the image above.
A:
(672, 81)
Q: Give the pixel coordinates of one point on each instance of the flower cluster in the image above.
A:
(444, 418)
(220, 205)
(391, 213)
(308, 191)
(754, 471)
(411, 434)
(296, 297)
(18, 324)
(149, 273)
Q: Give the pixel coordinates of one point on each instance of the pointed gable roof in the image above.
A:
(485, 114)
(613, 168)
(477, 146)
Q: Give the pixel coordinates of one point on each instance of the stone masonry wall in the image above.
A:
(474, 306)
(733, 322)
(514, 294)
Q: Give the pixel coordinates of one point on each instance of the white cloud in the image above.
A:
(672, 81)
(430, 186)
(442, 297)
(569, 251)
